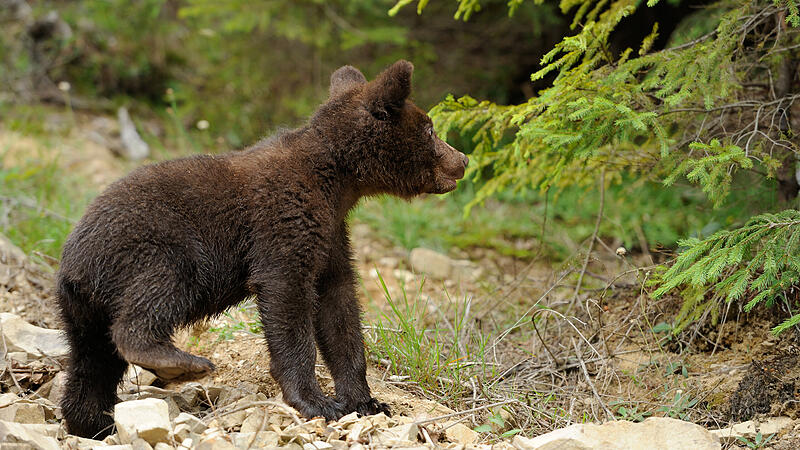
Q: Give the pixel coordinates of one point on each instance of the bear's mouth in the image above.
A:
(444, 182)
(448, 184)
(449, 170)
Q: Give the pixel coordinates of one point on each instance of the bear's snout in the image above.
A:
(454, 163)
(450, 168)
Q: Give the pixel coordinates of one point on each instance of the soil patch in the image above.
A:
(770, 386)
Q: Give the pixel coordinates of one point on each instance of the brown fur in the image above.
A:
(176, 242)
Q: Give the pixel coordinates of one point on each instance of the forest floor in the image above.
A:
(509, 331)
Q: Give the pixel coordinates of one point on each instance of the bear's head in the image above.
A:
(385, 142)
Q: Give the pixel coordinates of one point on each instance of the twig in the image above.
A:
(519, 321)
(39, 209)
(278, 405)
(427, 436)
(480, 408)
(589, 380)
(5, 354)
(263, 424)
(533, 322)
(592, 240)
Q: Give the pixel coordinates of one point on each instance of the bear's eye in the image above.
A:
(430, 132)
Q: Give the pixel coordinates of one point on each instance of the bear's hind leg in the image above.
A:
(162, 357)
(142, 332)
(93, 374)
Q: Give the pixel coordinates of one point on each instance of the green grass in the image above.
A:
(39, 203)
(438, 354)
(438, 222)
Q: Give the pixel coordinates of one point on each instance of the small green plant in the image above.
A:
(495, 423)
(676, 367)
(629, 413)
(680, 406)
(759, 441)
(247, 322)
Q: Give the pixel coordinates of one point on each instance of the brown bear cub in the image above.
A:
(180, 241)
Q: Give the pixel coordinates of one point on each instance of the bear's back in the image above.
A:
(189, 209)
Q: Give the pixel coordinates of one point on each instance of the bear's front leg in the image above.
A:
(286, 310)
(337, 324)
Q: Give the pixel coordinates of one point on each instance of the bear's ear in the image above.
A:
(345, 77)
(389, 91)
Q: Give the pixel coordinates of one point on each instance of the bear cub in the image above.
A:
(180, 241)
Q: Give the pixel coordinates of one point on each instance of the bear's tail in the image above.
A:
(94, 369)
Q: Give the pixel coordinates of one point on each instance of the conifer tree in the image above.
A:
(718, 100)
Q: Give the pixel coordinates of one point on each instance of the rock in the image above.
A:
(317, 445)
(431, 263)
(114, 447)
(215, 442)
(134, 148)
(751, 428)
(774, 425)
(57, 388)
(104, 132)
(338, 445)
(404, 276)
(7, 399)
(18, 357)
(20, 336)
(147, 419)
(19, 10)
(263, 439)
(51, 410)
(23, 411)
(181, 431)
(296, 435)
(76, 442)
(140, 444)
(186, 444)
(388, 261)
(355, 432)
(254, 422)
(10, 254)
(172, 407)
(307, 428)
(461, 434)
(163, 446)
(344, 421)
(31, 436)
(195, 425)
(655, 432)
(226, 395)
(289, 446)
(731, 434)
(398, 436)
(235, 419)
(138, 376)
(192, 393)
(380, 420)
(465, 270)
